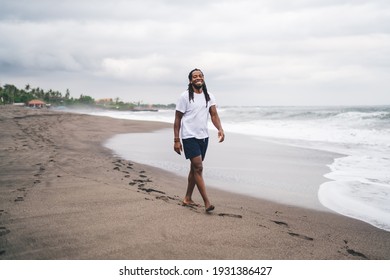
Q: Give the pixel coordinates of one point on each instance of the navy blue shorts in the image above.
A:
(195, 147)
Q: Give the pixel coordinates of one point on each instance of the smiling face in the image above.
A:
(197, 79)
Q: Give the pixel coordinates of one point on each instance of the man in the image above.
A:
(191, 117)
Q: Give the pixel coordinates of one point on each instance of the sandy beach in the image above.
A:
(63, 195)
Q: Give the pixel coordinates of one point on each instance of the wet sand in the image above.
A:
(242, 164)
(64, 196)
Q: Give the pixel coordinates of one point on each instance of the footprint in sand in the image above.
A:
(230, 215)
(149, 190)
(4, 231)
(301, 236)
(356, 254)
(280, 223)
(353, 252)
(165, 198)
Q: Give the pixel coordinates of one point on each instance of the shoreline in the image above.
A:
(65, 196)
(262, 169)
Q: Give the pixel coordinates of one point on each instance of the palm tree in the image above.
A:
(67, 95)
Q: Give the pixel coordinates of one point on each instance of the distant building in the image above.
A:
(36, 103)
(104, 101)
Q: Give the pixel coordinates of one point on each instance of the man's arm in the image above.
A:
(176, 132)
(217, 122)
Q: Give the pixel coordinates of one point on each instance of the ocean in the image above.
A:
(357, 183)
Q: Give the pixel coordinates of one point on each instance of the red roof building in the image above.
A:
(36, 103)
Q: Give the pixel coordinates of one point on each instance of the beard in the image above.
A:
(197, 86)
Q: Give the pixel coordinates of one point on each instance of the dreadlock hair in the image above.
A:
(191, 89)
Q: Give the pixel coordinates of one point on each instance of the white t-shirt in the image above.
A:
(195, 119)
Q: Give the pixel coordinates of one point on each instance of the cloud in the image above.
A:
(151, 68)
(297, 52)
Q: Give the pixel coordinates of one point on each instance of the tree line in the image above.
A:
(10, 94)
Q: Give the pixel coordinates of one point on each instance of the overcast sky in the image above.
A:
(252, 52)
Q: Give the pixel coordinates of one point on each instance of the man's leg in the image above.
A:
(190, 187)
(197, 170)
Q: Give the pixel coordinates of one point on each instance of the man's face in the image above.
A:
(197, 80)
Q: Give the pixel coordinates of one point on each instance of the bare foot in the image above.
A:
(189, 203)
(210, 208)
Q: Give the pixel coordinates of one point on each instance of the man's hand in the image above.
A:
(178, 147)
(221, 136)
